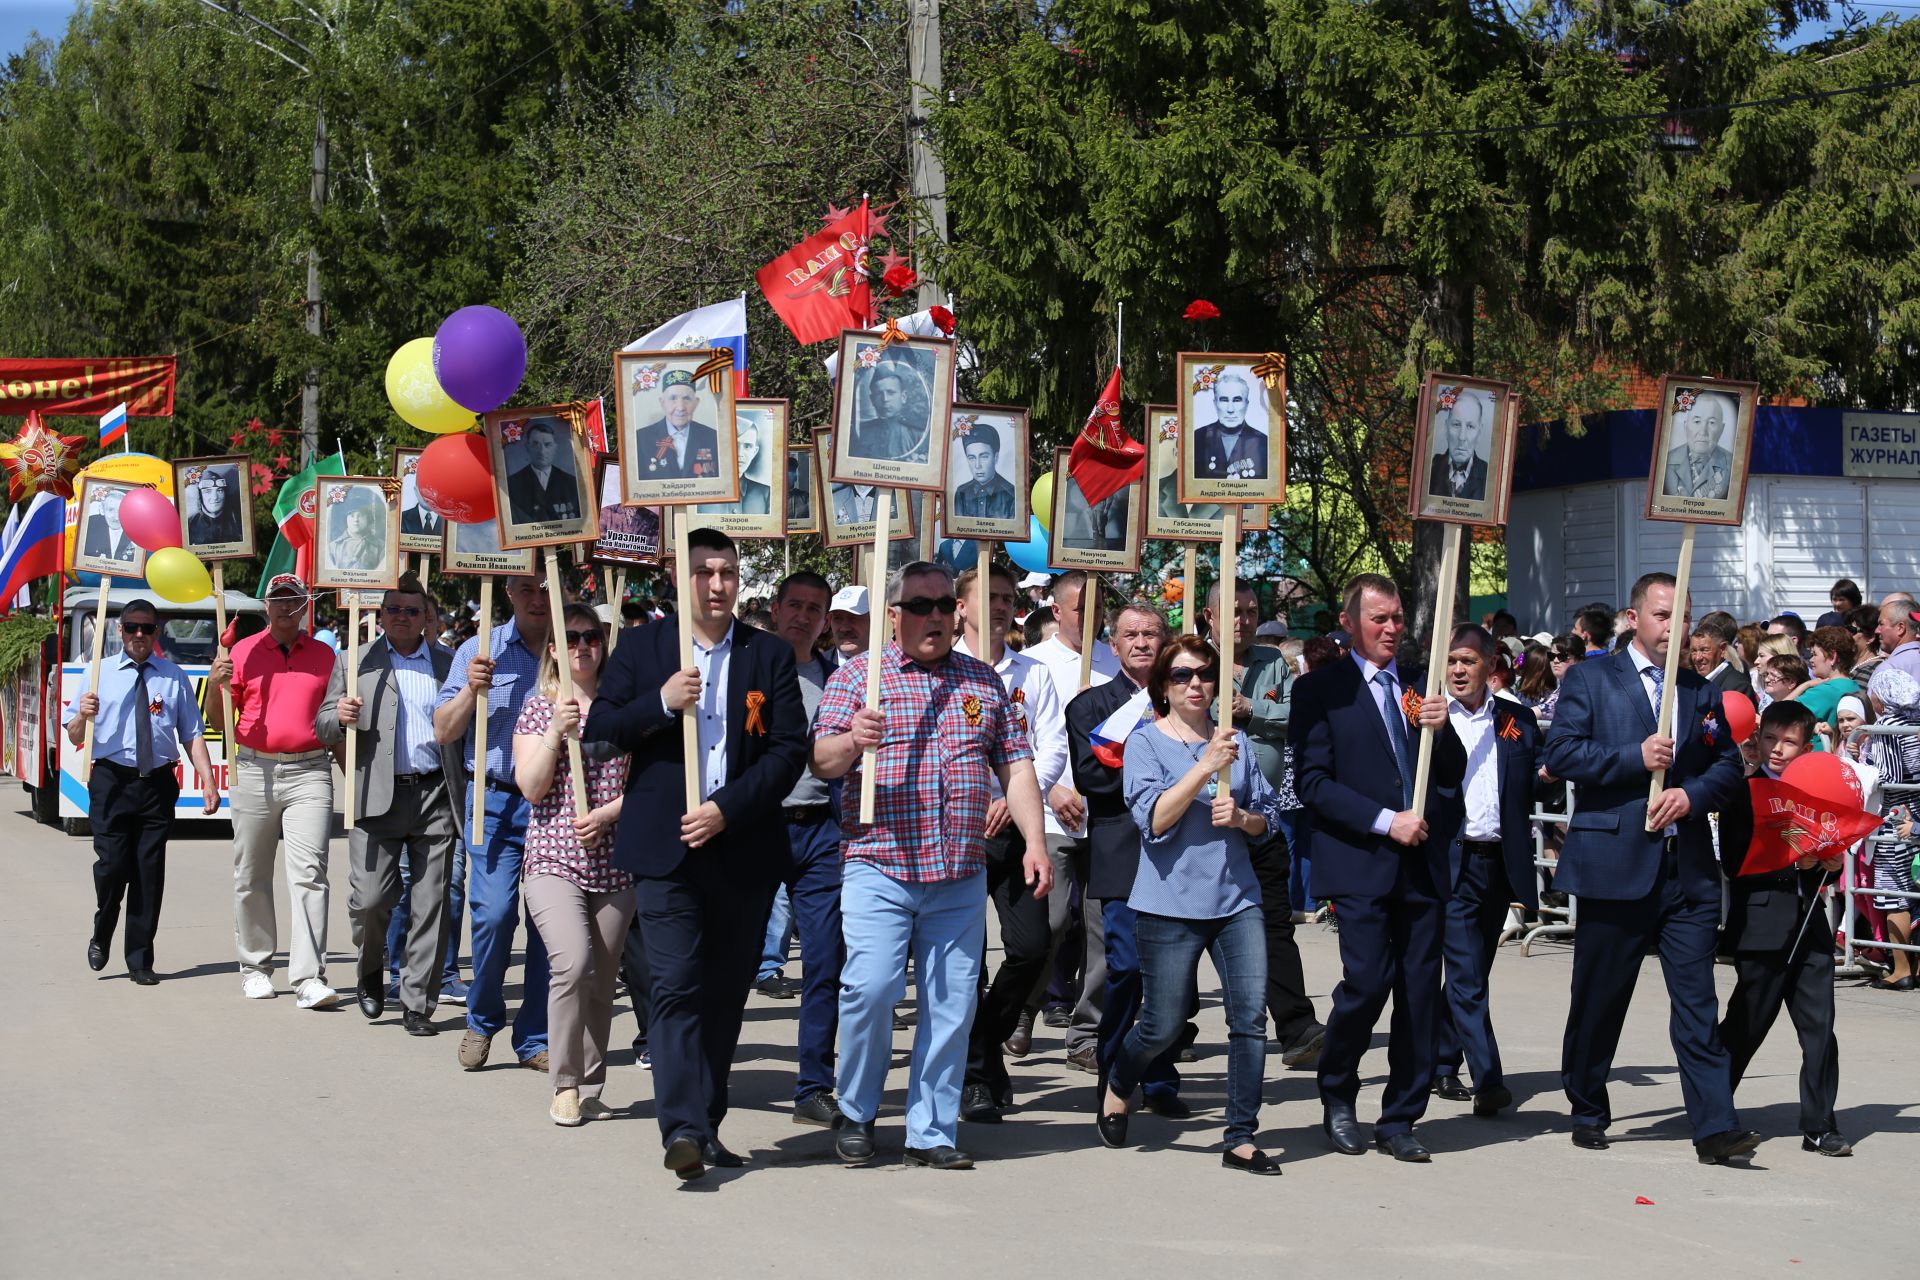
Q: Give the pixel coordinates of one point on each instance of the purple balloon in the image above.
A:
(479, 356)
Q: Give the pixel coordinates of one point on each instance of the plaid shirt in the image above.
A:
(948, 727)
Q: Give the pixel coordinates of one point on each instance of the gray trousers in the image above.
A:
(419, 823)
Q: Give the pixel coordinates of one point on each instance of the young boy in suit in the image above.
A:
(1783, 959)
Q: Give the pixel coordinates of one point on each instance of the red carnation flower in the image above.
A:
(1200, 309)
(942, 319)
(899, 278)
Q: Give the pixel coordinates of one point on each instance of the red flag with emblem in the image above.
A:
(1105, 459)
(819, 286)
(1790, 824)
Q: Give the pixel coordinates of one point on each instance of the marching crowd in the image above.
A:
(1089, 800)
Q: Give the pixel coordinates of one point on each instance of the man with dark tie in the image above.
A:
(541, 492)
(421, 519)
(674, 446)
(144, 716)
(1353, 743)
(1458, 470)
(1645, 873)
(1482, 839)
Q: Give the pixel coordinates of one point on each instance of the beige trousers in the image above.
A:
(584, 933)
(272, 801)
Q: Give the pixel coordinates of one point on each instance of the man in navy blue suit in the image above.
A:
(1353, 739)
(705, 879)
(1645, 873)
(1482, 835)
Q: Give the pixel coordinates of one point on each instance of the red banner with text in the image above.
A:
(83, 387)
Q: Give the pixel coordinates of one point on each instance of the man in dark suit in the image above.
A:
(1230, 447)
(1458, 470)
(422, 519)
(705, 879)
(1707, 652)
(1353, 742)
(1644, 873)
(675, 447)
(540, 491)
(106, 539)
(1481, 843)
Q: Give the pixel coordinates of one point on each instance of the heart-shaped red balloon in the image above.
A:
(456, 478)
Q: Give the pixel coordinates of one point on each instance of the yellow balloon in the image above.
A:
(177, 575)
(1043, 501)
(415, 393)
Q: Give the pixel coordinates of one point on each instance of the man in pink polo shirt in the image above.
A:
(282, 787)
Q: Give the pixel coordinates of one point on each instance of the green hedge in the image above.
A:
(20, 637)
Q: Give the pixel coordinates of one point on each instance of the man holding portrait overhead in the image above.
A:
(1230, 446)
(988, 495)
(542, 492)
(1458, 470)
(675, 447)
(1698, 467)
(888, 434)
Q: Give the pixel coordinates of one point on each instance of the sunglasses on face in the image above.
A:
(1180, 677)
(403, 610)
(139, 628)
(581, 639)
(922, 606)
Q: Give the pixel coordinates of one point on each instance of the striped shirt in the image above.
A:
(414, 750)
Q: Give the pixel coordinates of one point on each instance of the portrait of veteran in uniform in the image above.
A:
(213, 517)
(1699, 465)
(891, 427)
(676, 446)
(1230, 446)
(986, 494)
(546, 488)
(756, 498)
(1459, 434)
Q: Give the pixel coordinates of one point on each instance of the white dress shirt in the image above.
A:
(1643, 664)
(1388, 705)
(1063, 667)
(1481, 790)
(679, 439)
(711, 709)
(1030, 688)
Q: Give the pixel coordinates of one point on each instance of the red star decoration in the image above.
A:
(274, 436)
(237, 439)
(282, 461)
(40, 459)
(834, 213)
(255, 426)
(877, 220)
(890, 260)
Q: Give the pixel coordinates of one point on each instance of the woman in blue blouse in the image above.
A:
(1196, 890)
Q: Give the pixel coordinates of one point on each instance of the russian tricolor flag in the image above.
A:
(1109, 738)
(33, 550)
(113, 425)
(724, 324)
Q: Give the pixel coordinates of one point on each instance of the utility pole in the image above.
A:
(310, 393)
(929, 177)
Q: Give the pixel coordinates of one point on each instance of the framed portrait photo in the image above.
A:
(356, 532)
(1168, 518)
(761, 509)
(422, 529)
(1103, 537)
(988, 493)
(848, 509)
(1233, 428)
(677, 420)
(543, 489)
(1702, 445)
(900, 554)
(803, 512)
(892, 406)
(476, 549)
(1463, 437)
(216, 510)
(100, 544)
(628, 535)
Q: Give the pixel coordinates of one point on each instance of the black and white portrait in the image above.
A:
(421, 527)
(1699, 462)
(104, 546)
(216, 514)
(892, 405)
(1102, 536)
(1166, 516)
(357, 532)
(1701, 450)
(802, 515)
(1462, 450)
(677, 427)
(760, 511)
(542, 476)
(987, 486)
(850, 510)
(1232, 429)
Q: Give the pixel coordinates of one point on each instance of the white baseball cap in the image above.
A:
(1034, 580)
(849, 600)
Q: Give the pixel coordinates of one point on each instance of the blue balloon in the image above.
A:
(1031, 555)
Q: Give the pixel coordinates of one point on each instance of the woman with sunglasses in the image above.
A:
(580, 902)
(1196, 890)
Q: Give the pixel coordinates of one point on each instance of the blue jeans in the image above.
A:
(811, 878)
(942, 927)
(778, 947)
(403, 915)
(1122, 1006)
(494, 895)
(1296, 827)
(1170, 967)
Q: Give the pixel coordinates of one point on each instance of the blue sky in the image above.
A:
(19, 19)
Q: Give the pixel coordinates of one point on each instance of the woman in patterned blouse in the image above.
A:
(579, 901)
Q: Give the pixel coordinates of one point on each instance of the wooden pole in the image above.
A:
(876, 640)
(1676, 645)
(1437, 658)
(353, 691)
(557, 637)
(619, 576)
(93, 685)
(1089, 612)
(683, 604)
(982, 601)
(221, 651)
(1190, 590)
(485, 637)
(1229, 567)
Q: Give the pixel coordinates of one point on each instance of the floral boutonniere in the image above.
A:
(1709, 729)
(1410, 704)
(756, 723)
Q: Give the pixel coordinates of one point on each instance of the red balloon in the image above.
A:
(1741, 715)
(1827, 778)
(150, 519)
(456, 478)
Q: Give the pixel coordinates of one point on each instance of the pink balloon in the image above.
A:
(150, 519)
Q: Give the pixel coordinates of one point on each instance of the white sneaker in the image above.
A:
(256, 986)
(566, 1108)
(315, 994)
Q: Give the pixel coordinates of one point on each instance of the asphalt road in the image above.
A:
(181, 1130)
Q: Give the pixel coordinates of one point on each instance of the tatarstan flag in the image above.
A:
(293, 511)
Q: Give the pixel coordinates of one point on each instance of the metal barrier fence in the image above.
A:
(1553, 922)
(1849, 888)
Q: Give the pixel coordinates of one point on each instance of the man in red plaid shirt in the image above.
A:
(915, 881)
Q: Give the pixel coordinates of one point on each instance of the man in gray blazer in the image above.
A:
(404, 784)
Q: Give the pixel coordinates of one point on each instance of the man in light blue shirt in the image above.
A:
(144, 715)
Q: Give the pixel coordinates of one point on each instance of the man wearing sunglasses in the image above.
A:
(403, 802)
(914, 885)
(144, 716)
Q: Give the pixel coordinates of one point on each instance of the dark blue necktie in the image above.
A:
(1397, 732)
(1659, 677)
(142, 723)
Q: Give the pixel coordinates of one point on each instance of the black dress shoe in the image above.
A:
(719, 1157)
(817, 1109)
(373, 996)
(96, 955)
(144, 978)
(1719, 1148)
(977, 1105)
(1829, 1143)
(1450, 1087)
(1113, 1129)
(683, 1158)
(1403, 1147)
(1168, 1106)
(1344, 1129)
(1590, 1136)
(938, 1158)
(417, 1024)
(854, 1141)
(1491, 1102)
(1259, 1162)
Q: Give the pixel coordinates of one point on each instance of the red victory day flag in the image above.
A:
(1790, 824)
(819, 286)
(1105, 459)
